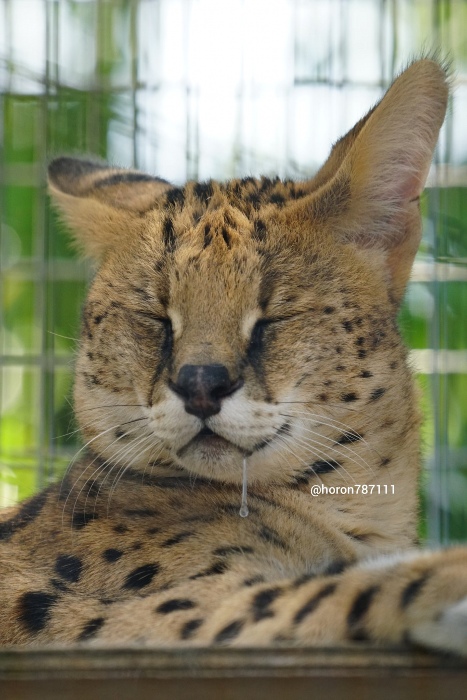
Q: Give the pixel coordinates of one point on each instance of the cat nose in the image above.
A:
(202, 388)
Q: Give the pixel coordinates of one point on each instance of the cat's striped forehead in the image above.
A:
(222, 208)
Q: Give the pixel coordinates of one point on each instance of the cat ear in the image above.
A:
(368, 191)
(98, 202)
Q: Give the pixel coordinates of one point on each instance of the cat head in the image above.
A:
(254, 318)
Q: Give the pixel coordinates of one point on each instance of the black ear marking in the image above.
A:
(64, 169)
(74, 167)
(129, 177)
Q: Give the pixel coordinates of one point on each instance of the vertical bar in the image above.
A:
(40, 302)
(134, 7)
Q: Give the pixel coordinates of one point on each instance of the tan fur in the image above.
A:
(293, 290)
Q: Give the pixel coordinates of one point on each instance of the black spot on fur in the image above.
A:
(335, 567)
(329, 309)
(226, 237)
(168, 235)
(262, 601)
(312, 604)
(189, 628)
(112, 555)
(347, 438)
(217, 568)
(277, 199)
(351, 396)
(68, 567)
(377, 394)
(35, 609)
(175, 196)
(260, 230)
(269, 535)
(412, 589)
(203, 191)
(385, 461)
(365, 374)
(176, 539)
(360, 607)
(141, 576)
(91, 488)
(247, 180)
(91, 628)
(26, 514)
(324, 466)
(83, 518)
(229, 632)
(254, 199)
(348, 326)
(297, 192)
(120, 529)
(174, 605)
(153, 530)
(300, 481)
(207, 236)
(266, 184)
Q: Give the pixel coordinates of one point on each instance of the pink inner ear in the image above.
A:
(410, 184)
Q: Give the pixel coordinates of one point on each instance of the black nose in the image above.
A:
(202, 388)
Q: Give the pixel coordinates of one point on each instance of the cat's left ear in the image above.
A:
(100, 203)
(368, 191)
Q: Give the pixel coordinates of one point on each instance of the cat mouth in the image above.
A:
(206, 436)
(207, 440)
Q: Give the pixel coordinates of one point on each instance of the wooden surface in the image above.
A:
(229, 674)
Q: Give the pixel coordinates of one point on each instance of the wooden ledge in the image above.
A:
(346, 673)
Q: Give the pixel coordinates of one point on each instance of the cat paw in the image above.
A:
(447, 632)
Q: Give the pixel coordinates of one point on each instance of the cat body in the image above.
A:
(243, 335)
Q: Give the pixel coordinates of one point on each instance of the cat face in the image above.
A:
(253, 319)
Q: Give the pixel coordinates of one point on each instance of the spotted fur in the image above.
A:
(249, 320)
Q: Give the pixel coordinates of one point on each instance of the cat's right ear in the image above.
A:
(100, 203)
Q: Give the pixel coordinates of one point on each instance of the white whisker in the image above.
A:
(146, 441)
(281, 440)
(315, 451)
(328, 422)
(353, 456)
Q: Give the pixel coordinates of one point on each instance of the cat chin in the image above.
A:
(212, 458)
(220, 460)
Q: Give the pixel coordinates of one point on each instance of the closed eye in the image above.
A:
(154, 317)
(256, 338)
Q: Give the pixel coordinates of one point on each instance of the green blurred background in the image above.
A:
(213, 88)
